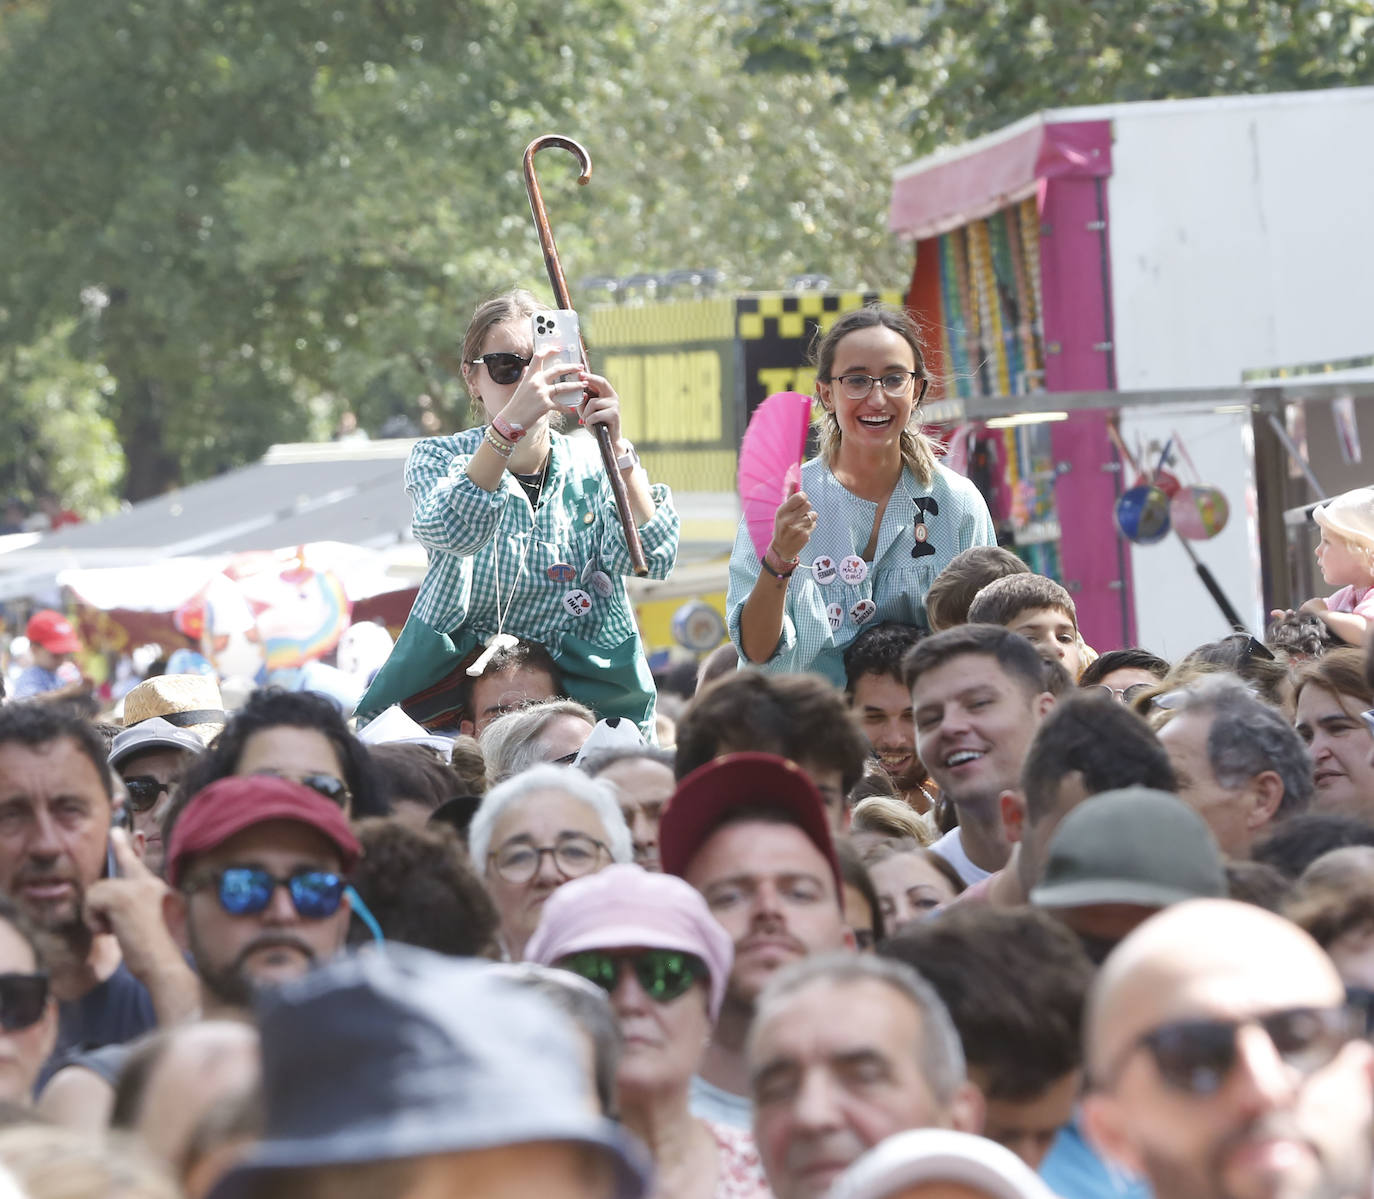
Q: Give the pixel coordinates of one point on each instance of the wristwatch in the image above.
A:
(629, 459)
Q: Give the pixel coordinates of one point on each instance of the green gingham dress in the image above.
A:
(553, 574)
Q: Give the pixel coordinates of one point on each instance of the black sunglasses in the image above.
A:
(333, 789)
(665, 974)
(1197, 1056)
(503, 367)
(247, 890)
(143, 791)
(23, 998)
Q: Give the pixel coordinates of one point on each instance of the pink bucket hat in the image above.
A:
(626, 907)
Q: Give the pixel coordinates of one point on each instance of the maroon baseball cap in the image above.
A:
(707, 796)
(230, 805)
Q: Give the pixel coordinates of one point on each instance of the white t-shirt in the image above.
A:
(951, 848)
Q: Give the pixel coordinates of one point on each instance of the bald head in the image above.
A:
(1211, 957)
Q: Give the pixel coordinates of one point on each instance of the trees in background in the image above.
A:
(225, 221)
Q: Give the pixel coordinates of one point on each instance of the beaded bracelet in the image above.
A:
(501, 447)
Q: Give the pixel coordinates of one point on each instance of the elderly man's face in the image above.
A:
(642, 787)
(1234, 814)
(1220, 1105)
(834, 1068)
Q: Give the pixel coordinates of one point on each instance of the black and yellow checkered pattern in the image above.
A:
(785, 315)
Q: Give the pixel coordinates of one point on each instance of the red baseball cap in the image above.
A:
(53, 632)
(230, 805)
(711, 792)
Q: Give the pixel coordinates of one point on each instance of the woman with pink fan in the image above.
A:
(856, 535)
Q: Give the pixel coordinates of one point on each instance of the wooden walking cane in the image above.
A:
(560, 291)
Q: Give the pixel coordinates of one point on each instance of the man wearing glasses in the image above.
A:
(258, 867)
(1224, 1062)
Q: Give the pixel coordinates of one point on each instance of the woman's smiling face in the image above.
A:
(878, 419)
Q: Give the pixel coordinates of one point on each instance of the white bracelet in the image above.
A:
(629, 459)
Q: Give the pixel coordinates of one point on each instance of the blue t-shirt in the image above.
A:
(34, 680)
(1073, 1169)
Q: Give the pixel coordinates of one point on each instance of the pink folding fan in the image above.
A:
(770, 460)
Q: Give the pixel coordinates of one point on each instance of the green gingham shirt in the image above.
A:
(914, 545)
(489, 549)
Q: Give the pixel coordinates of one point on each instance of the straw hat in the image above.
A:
(189, 701)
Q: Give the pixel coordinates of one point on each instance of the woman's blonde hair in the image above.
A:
(918, 451)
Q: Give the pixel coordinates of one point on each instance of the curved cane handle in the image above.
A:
(540, 214)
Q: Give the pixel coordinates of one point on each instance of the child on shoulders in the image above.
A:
(1346, 558)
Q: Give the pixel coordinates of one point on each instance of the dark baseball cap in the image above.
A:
(708, 796)
(230, 805)
(1135, 845)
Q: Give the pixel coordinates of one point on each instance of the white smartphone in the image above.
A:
(559, 327)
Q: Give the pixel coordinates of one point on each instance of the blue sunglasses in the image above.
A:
(247, 890)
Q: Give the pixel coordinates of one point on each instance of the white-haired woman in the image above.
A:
(551, 731)
(536, 831)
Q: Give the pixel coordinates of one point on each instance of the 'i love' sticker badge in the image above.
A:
(577, 602)
(835, 614)
(823, 570)
(853, 569)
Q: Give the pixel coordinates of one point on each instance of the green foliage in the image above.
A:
(58, 436)
(254, 215)
(976, 67)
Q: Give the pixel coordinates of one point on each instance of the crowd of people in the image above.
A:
(917, 894)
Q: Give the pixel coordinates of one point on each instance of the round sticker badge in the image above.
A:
(601, 584)
(577, 602)
(823, 569)
(853, 569)
(562, 572)
(862, 611)
(835, 614)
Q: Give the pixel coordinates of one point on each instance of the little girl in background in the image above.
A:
(1346, 558)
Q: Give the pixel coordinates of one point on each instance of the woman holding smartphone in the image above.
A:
(522, 532)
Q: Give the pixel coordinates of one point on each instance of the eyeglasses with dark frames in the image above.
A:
(857, 386)
(574, 854)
